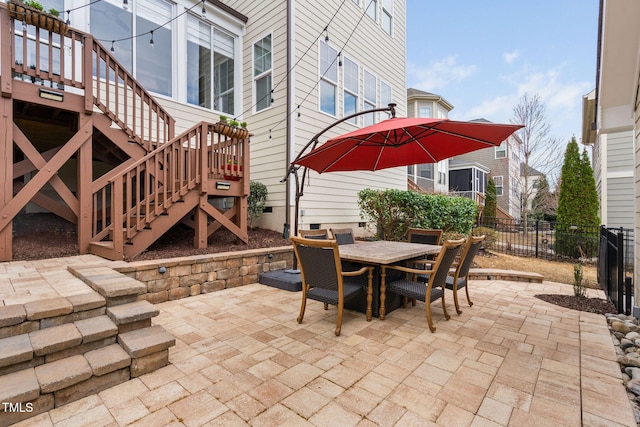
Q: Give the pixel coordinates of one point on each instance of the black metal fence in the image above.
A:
(540, 239)
(614, 269)
(612, 248)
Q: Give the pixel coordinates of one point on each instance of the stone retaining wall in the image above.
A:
(176, 278)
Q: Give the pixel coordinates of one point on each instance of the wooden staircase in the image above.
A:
(155, 178)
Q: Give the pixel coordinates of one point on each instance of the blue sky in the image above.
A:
(482, 56)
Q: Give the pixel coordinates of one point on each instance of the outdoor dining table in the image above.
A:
(378, 253)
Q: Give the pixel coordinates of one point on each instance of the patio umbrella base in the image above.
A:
(289, 280)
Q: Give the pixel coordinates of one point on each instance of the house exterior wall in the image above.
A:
(329, 199)
(353, 33)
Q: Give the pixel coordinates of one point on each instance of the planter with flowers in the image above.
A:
(231, 128)
(32, 12)
(230, 168)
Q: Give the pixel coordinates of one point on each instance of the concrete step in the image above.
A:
(21, 319)
(148, 348)
(132, 316)
(115, 287)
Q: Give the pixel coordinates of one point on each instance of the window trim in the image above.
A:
(500, 149)
(375, 10)
(254, 78)
(367, 101)
(501, 186)
(323, 78)
(389, 13)
(349, 91)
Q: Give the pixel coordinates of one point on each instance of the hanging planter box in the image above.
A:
(35, 17)
(230, 131)
(234, 168)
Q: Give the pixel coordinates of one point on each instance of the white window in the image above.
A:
(387, 15)
(372, 9)
(210, 66)
(497, 180)
(370, 98)
(153, 63)
(262, 67)
(501, 150)
(385, 94)
(328, 78)
(351, 72)
(425, 112)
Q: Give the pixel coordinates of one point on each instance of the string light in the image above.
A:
(204, 11)
(326, 33)
(151, 44)
(272, 96)
(68, 17)
(112, 48)
(340, 59)
(298, 111)
(125, 4)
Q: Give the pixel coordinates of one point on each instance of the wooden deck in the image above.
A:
(85, 141)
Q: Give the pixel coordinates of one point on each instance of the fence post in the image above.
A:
(620, 262)
(537, 229)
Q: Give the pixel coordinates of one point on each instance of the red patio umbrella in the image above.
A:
(402, 142)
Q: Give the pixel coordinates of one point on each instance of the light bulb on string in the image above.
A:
(326, 34)
(151, 44)
(68, 17)
(272, 96)
(339, 59)
(112, 48)
(204, 10)
(125, 4)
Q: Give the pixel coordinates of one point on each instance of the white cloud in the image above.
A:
(509, 57)
(439, 74)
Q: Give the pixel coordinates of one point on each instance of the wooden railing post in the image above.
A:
(117, 209)
(87, 74)
(5, 53)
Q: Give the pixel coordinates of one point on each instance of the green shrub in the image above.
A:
(395, 211)
(490, 233)
(579, 287)
(255, 202)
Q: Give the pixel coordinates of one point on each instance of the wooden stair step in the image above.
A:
(15, 350)
(146, 341)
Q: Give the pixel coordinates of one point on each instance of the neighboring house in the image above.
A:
(469, 173)
(611, 118)
(289, 69)
(534, 178)
(430, 177)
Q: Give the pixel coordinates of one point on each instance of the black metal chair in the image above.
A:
(460, 276)
(323, 279)
(424, 236)
(322, 234)
(344, 236)
(413, 289)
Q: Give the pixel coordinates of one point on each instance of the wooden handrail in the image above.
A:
(77, 60)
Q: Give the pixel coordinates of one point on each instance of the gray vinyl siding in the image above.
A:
(620, 202)
(620, 151)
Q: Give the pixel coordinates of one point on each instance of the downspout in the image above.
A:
(289, 122)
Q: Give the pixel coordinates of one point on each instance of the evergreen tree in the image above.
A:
(577, 228)
(542, 204)
(490, 204)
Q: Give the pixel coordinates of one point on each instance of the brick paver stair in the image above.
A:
(58, 350)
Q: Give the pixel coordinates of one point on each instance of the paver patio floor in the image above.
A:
(242, 359)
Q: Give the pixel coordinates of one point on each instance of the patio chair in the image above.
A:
(428, 292)
(323, 279)
(460, 276)
(424, 236)
(344, 236)
(321, 233)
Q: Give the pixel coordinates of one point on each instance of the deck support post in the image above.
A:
(6, 175)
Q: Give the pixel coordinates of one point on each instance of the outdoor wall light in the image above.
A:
(162, 270)
(51, 95)
(222, 185)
